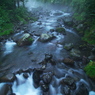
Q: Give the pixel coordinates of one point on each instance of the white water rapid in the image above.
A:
(9, 45)
(23, 86)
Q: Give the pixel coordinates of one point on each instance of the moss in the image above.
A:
(30, 39)
(90, 69)
(61, 30)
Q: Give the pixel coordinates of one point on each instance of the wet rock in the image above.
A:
(48, 57)
(47, 78)
(4, 89)
(68, 81)
(39, 23)
(58, 14)
(53, 62)
(76, 54)
(65, 90)
(52, 30)
(36, 76)
(68, 61)
(7, 78)
(93, 50)
(44, 86)
(91, 57)
(25, 75)
(68, 20)
(61, 30)
(1, 38)
(25, 40)
(46, 37)
(84, 60)
(82, 90)
(19, 71)
(68, 46)
(80, 26)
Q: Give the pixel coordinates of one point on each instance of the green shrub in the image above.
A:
(89, 35)
(90, 69)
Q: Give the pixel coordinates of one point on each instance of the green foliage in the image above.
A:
(30, 39)
(5, 24)
(90, 69)
(8, 17)
(89, 36)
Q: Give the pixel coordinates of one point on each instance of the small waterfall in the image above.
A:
(22, 86)
(9, 47)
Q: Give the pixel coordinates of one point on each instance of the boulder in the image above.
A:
(47, 78)
(68, 61)
(61, 30)
(75, 53)
(25, 40)
(44, 86)
(68, 81)
(25, 75)
(58, 14)
(48, 57)
(7, 78)
(68, 20)
(82, 90)
(4, 88)
(65, 90)
(36, 76)
(68, 46)
(91, 57)
(46, 37)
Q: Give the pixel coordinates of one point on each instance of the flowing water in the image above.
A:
(29, 56)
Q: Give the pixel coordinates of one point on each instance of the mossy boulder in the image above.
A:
(25, 40)
(75, 54)
(61, 30)
(68, 46)
(90, 69)
(46, 37)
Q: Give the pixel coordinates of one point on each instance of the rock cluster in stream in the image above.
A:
(69, 85)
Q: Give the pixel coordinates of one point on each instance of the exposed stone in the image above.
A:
(68, 46)
(58, 13)
(68, 61)
(68, 81)
(47, 78)
(68, 20)
(7, 78)
(76, 54)
(48, 57)
(82, 90)
(25, 75)
(44, 86)
(79, 26)
(36, 76)
(4, 89)
(65, 90)
(46, 37)
(51, 30)
(61, 30)
(40, 23)
(25, 40)
(91, 57)
(84, 60)
(1, 38)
